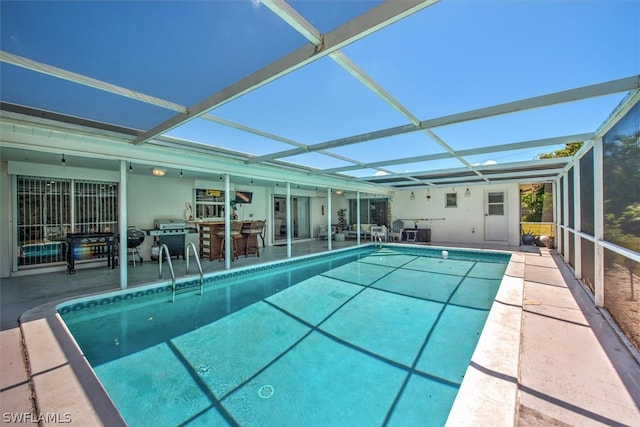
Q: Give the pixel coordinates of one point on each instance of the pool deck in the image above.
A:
(553, 360)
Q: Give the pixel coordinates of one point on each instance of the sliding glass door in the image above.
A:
(372, 211)
(300, 219)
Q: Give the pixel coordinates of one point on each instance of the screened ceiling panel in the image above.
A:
(511, 155)
(360, 173)
(178, 51)
(40, 91)
(425, 166)
(571, 118)
(400, 146)
(313, 159)
(465, 55)
(328, 103)
(224, 136)
(328, 15)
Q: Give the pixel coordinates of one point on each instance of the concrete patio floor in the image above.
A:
(573, 367)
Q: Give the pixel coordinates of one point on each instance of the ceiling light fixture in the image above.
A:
(63, 161)
(158, 171)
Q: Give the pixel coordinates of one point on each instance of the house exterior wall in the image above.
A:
(464, 224)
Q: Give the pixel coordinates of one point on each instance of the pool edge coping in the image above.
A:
(87, 402)
(488, 394)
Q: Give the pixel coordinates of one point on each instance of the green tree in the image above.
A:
(569, 150)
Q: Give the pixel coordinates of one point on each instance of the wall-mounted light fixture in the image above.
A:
(467, 193)
(428, 195)
(181, 173)
(63, 161)
(158, 171)
(412, 196)
(130, 167)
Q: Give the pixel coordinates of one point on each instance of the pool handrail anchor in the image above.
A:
(165, 249)
(195, 253)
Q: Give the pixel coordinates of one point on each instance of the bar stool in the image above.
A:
(234, 233)
(252, 233)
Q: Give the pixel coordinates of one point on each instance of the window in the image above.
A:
(451, 200)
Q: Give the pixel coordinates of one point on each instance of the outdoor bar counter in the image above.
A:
(210, 242)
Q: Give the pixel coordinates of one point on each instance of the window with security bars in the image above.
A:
(95, 207)
(44, 215)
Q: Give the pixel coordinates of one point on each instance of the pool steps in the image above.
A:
(164, 249)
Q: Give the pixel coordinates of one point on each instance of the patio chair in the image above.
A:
(396, 230)
(324, 233)
(378, 230)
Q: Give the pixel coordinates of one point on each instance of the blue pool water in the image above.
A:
(361, 337)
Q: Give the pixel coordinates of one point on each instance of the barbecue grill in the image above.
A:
(134, 240)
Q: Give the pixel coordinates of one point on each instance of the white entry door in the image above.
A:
(495, 217)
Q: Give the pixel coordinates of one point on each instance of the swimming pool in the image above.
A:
(361, 337)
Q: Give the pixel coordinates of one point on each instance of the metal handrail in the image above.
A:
(195, 252)
(165, 248)
(378, 239)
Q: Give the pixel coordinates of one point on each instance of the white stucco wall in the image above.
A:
(462, 224)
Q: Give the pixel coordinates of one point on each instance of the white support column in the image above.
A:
(565, 216)
(288, 220)
(227, 223)
(358, 217)
(598, 221)
(557, 219)
(329, 208)
(122, 245)
(577, 221)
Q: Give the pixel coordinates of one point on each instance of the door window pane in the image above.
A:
(496, 209)
(496, 197)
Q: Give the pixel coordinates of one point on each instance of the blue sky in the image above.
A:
(451, 57)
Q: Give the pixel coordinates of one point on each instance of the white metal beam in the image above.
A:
(469, 152)
(39, 67)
